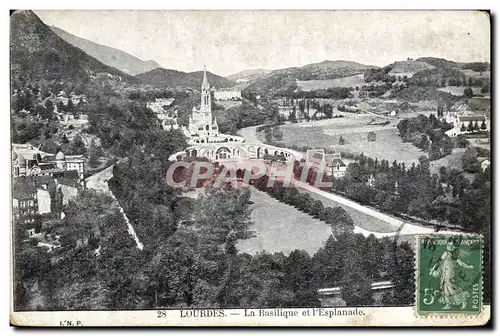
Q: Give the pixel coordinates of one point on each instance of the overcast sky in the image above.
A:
(231, 41)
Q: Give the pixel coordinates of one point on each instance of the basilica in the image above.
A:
(203, 126)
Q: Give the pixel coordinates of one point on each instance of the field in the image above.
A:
(282, 228)
(480, 104)
(472, 73)
(408, 68)
(354, 129)
(459, 90)
(351, 81)
(454, 160)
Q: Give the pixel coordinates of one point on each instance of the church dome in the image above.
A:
(60, 156)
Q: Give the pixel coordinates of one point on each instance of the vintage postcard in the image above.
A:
(250, 168)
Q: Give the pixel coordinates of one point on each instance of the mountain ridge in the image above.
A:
(174, 78)
(114, 57)
(284, 80)
(39, 54)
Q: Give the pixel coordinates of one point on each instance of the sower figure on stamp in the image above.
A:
(451, 293)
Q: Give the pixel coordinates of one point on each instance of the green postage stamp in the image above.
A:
(449, 275)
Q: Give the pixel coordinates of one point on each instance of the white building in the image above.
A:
(227, 94)
(331, 163)
(159, 107)
(70, 119)
(462, 123)
(485, 163)
(70, 162)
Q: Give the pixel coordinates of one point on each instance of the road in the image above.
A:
(99, 181)
(250, 135)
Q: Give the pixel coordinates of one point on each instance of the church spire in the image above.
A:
(205, 84)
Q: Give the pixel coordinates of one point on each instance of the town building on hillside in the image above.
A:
(38, 198)
(30, 199)
(27, 160)
(466, 123)
(331, 163)
(203, 127)
(227, 94)
(68, 189)
(160, 106)
(42, 193)
(71, 119)
(70, 162)
(485, 162)
(24, 202)
(336, 166)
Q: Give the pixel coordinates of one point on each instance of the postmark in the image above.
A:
(449, 275)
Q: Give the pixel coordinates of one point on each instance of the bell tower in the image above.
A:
(206, 101)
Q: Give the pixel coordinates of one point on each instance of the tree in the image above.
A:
(221, 219)
(402, 274)
(298, 278)
(476, 126)
(48, 113)
(70, 107)
(356, 285)
(339, 220)
(468, 93)
(293, 115)
(462, 141)
(277, 133)
(316, 208)
(470, 162)
(371, 136)
(93, 154)
(470, 127)
(483, 125)
(77, 146)
(60, 107)
(81, 104)
(424, 142)
(486, 88)
(40, 111)
(268, 134)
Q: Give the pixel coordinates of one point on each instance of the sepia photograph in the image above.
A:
(250, 168)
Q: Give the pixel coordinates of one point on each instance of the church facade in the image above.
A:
(203, 127)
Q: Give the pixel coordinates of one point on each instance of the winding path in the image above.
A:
(99, 182)
(250, 135)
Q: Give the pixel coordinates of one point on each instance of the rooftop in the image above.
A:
(23, 188)
(337, 161)
(473, 118)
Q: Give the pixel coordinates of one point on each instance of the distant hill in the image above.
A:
(173, 78)
(285, 80)
(443, 63)
(37, 53)
(408, 68)
(107, 55)
(417, 93)
(438, 62)
(247, 76)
